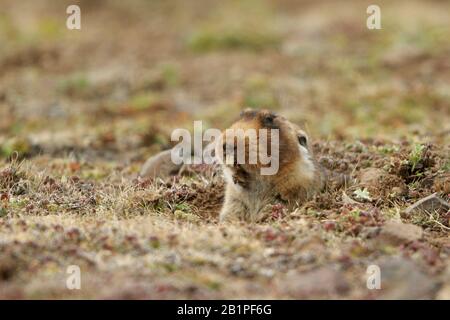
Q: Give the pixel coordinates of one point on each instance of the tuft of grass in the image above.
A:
(49, 29)
(432, 220)
(446, 166)
(3, 212)
(16, 145)
(387, 149)
(77, 84)
(184, 207)
(186, 216)
(232, 39)
(170, 74)
(415, 155)
(143, 101)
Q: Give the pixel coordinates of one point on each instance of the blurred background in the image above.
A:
(136, 70)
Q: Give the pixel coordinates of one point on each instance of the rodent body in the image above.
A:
(249, 195)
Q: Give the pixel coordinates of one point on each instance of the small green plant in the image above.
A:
(184, 207)
(362, 194)
(17, 145)
(143, 101)
(446, 166)
(415, 156)
(74, 84)
(387, 149)
(208, 40)
(48, 29)
(170, 74)
(3, 212)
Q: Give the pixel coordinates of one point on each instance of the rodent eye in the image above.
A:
(303, 141)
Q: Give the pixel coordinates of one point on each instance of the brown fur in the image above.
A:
(250, 195)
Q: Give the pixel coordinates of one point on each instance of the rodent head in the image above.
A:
(266, 135)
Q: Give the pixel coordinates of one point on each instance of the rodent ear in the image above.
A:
(248, 113)
(246, 110)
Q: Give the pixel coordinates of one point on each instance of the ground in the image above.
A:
(81, 110)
